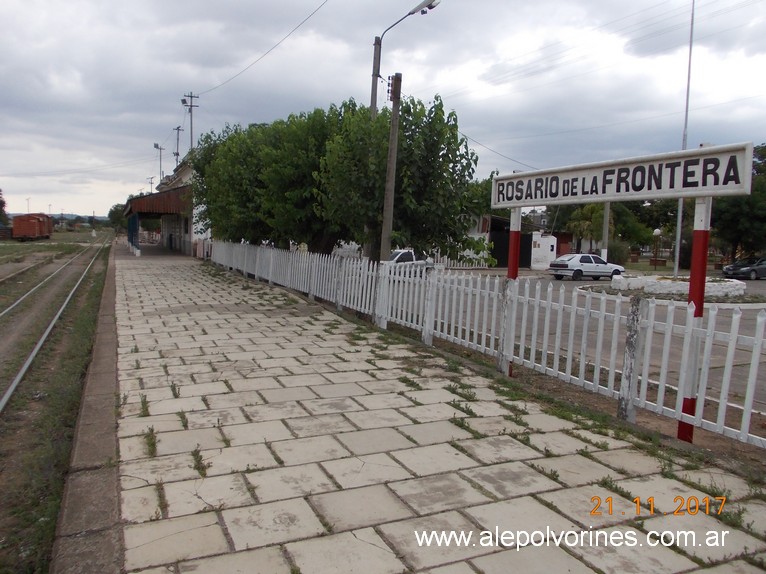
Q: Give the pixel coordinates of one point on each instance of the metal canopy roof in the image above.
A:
(172, 201)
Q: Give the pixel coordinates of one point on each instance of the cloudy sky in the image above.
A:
(88, 87)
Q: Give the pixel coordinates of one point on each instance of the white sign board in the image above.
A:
(701, 172)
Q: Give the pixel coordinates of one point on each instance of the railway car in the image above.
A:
(32, 226)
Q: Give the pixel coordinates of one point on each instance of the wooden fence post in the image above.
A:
(626, 408)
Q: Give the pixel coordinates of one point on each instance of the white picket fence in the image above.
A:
(645, 359)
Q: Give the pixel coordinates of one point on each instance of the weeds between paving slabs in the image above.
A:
(653, 433)
(36, 436)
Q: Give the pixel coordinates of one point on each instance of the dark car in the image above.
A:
(746, 268)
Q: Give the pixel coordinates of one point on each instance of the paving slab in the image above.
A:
(663, 490)
(291, 394)
(575, 469)
(275, 411)
(333, 405)
(289, 482)
(140, 504)
(718, 480)
(735, 567)
(187, 440)
(377, 418)
(402, 536)
(364, 552)
(206, 493)
(438, 493)
(261, 561)
(435, 432)
(365, 470)
(431, 413)
(631, 461)
(245, 458)
(588, 505)
(311, 449)
(214, 418)
(271, 523)
(542, 422)
(251, 433)
(520, 514)
(703, 537)
(339, 390)
(433, 459)
(432, 396)
(493, 449)
(619, 556)
(373, 440)
(531, 560)
(494, 425)
(360, 507)
(172, 540)
(558, 443)
(510, 479)
(146, 472)
(319, 424)
(244, 398)
(754, 517)
(384, 401)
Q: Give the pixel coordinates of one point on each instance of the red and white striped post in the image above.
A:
(702, 209)
(514, 251)
(514, 243)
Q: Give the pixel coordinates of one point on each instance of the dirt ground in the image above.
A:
(21, 437)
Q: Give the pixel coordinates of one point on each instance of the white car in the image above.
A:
(408, 256)
(578, 265)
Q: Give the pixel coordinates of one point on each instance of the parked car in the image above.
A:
(408, 256)
(577, 266)
(746, 268)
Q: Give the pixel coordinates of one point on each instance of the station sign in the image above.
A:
(701, 172)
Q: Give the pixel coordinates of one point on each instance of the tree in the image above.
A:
(117, 218)
(3, 214)
(434, 201)
(740, 221)
(318, 178)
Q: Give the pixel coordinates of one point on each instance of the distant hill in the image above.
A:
(67, 216)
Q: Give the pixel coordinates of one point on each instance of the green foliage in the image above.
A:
(740, 221)
(117, 217)
(618, 252)
(318, 178)
(3, 214)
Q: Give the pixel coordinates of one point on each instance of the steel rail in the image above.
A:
(41, 283)
(25, 367)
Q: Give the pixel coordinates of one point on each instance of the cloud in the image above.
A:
(91, 86)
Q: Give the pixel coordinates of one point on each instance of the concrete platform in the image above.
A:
(262, 433)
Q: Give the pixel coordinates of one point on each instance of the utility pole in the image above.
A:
(151, 183)
(159, 147)
(178, 129)
(393, 142)
(680, 214)
(191, 105)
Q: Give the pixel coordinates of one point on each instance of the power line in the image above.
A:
(269, 51)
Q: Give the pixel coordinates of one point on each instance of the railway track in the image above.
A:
(28, 321)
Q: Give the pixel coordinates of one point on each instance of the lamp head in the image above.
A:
(156, 146)
(183, 101)
(424, 7)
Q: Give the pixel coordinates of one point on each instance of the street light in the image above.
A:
(191, 105)
(423, 8)
(388, 197)
(159, 147)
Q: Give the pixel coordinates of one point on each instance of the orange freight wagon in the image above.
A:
(32, 226)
